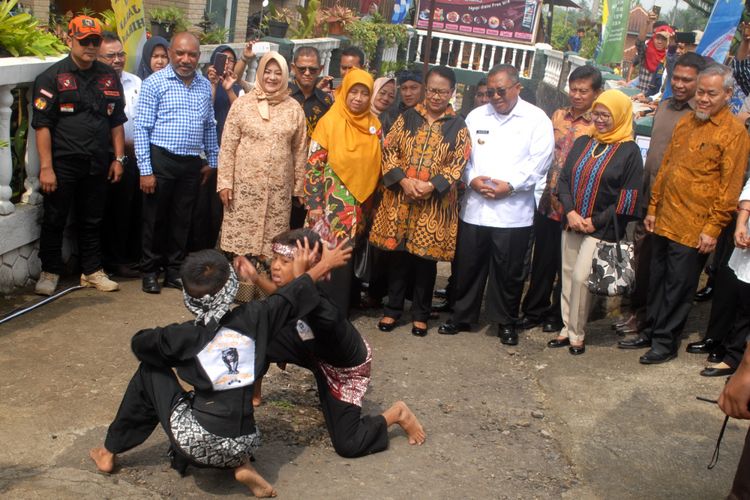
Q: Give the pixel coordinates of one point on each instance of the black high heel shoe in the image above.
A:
(419, 332)
(387, 327)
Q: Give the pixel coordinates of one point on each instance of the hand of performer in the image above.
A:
(331, 259)
(735, 397)
(226, 197)
(115, 172)
(706, 243)
(303, 257)
(245, 269)
(649, 222)
(148, 184)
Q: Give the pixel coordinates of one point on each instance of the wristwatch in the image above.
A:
(122, 159)
(511, 189)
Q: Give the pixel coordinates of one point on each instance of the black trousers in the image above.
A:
(167, 212)
(741, 484)
(643, 250)
(495, 253)
(208, 213)
(675, 271)
(725, 301)
(148, 401)
(542, 300)
(406, 269)
(121, 231)
(339, 287)
(81, 187)
(735, 339)
(352, 434)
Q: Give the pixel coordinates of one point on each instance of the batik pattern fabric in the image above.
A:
(567, 129)
(437, 153)
(349, 384)
(343, 216)
(207, 448)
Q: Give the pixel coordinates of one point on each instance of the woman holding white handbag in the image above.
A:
(601, 179)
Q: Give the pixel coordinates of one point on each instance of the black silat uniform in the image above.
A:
(80, 108)
(214, 425)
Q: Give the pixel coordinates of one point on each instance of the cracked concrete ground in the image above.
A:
(524, 422)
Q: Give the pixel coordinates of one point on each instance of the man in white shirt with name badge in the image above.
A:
(512, 148)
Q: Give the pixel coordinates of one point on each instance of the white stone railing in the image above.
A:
(475, 54)
(554, 67)
(390, 54)
(15, 72)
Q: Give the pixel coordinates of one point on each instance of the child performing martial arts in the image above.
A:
(325, 342)
(220, 354)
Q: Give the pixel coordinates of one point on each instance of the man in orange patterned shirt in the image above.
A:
(692, 200)
(569, 123)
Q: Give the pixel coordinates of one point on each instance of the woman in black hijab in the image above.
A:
(155, 56)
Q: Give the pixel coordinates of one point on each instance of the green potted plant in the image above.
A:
(338, 18)
(279, 21)
(166, 21)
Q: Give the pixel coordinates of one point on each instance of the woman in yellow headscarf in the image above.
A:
(343, 170)
(602, 179)
(261, 163)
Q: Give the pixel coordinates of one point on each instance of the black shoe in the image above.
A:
(173, 283)
(150, 284)
(575, 350)
(558, 342)
(419, 332)
(450, 328)
(441, 305)
(634, 343)
(440, 293)
(528, 323)
(703, 346)
(654, 358)
(717, 372)
(704, 293)
(507, 334)
(716, 357)
(387, 327)
(551, 327)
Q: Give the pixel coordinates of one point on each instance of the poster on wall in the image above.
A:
(512, 20)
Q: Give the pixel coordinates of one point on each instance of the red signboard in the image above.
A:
(512, 20)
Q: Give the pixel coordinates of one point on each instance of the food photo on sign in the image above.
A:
(514, 20)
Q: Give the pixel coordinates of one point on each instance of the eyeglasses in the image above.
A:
(490, 92)
(439, 92)
(596, 115)
(307, 69)
(96, 41)
(114, 55)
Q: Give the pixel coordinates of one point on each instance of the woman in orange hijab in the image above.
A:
(343, 170)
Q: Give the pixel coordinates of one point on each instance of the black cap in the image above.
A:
(406, 75)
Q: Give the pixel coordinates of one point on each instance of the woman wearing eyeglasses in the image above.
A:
(261, 163)
(601, 179)
(424, 156)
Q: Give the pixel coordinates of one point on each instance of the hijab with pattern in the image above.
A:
(267, 99)
(621, 108)
(352, 140)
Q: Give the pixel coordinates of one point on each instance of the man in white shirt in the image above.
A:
(512, 148)
(121, 227)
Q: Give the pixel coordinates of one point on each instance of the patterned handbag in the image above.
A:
(612, 271)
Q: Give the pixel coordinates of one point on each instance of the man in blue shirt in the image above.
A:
(574, 42)
(177, 150)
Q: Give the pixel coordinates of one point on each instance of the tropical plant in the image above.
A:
(170, 15)
(21, 36)
(366, 35)
(214, 36)
(307, 23)
(108, 20)
(339, 14)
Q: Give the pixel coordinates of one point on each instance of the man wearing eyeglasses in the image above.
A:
(78, 117)
(512, 148)
(123, 203)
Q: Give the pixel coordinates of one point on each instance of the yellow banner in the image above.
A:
(131, 27)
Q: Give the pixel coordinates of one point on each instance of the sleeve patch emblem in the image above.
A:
(40, 103)
(46, 93)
